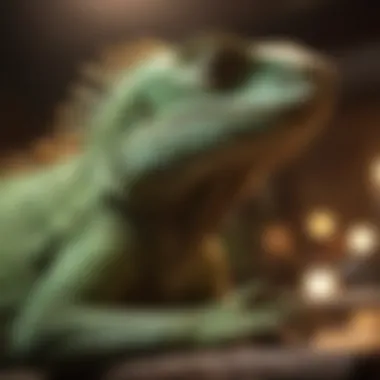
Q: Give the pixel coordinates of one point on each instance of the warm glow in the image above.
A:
(321, 225)
(277, 240)
(320, 283)
(362, 239)
(374, 173)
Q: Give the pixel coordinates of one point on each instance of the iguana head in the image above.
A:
(184, 131)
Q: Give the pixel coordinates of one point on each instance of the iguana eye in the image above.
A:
(227, 68)
(225, 61)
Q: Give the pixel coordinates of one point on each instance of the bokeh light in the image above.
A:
(320, 283)
(321, 224)
(374, 173)
(362, 239)
(277, 240)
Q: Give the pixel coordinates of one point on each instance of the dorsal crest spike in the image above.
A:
(96, 77)
(71, 115)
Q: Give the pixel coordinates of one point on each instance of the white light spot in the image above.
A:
(320, 283)
(362, 239)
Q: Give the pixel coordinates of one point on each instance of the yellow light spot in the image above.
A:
(321, 225)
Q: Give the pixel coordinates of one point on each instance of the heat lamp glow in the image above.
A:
(320, 283)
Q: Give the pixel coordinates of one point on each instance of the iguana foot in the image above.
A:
(233, 319)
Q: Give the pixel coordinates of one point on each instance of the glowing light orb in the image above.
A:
(278, 240)
(320, 283)
(362, 239)
(321, 225)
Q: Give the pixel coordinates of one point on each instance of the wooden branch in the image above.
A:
(238, 363)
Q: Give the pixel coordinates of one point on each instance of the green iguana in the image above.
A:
(167, 154)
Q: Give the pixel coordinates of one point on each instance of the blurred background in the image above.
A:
(316, 226)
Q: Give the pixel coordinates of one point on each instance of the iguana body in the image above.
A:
(167, 154)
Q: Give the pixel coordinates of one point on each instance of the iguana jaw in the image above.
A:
(197, 196)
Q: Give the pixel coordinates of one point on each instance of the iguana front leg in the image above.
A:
(59, 315)
(95, 331)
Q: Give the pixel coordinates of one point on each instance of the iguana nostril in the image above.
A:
(227, 67)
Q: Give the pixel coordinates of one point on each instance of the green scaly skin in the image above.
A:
(173, 154)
